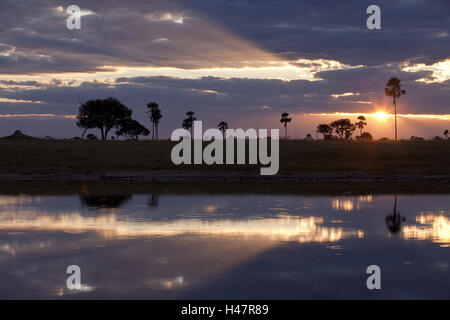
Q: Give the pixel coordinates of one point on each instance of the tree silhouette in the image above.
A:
(309, 137)
(86, 119)
(104, 201)
(361, 124)
(349, 132)
(103, 114)
(285, 120)
(366, 136)
(132, 129)
(155, 116)
(344, 128)
(223, 126)
(393, 89)
(91, 136)
(326, 130)
(446, 134)
(189, 121)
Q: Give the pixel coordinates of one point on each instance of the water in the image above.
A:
(258, 246)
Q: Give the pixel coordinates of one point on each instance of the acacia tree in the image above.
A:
(393, 89)
(285, 119)
(349, 132)
(344, 128)
(85, 119)
(132, 129)
(446, 134)
(103, 114)
(223, 126)
(326, 130)
(155, 116)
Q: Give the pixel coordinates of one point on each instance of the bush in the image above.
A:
(365, 136)
(91, 136)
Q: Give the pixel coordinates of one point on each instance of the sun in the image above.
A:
(380, 115)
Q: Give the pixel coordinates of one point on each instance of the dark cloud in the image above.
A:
(337, 29)
(218, 33)
(210, 95)
(139, 34)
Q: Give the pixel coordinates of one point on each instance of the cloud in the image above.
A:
(201, 35)
(353, 90)
(439, 71)
(8, 100)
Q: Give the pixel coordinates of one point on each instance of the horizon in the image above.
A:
(380, 125)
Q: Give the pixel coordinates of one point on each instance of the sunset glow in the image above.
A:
(382, 116)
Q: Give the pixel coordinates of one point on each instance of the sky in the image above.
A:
(240, 61)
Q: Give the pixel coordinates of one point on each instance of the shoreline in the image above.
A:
(173, 176)
(122, 187)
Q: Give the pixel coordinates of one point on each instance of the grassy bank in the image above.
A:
(189, 188)
(296, 157)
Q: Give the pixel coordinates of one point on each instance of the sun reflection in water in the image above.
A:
(343, 204)
(365, 198)
(61, 291)
(173, 283)
(434, 227)
(350, 204)
(279, 228)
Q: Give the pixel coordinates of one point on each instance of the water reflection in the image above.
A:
(343, 204)
(350, 203)
(153, 200)
(394, 220)
(434, 227)
(213, 246)
(279, 228)
(104, 201)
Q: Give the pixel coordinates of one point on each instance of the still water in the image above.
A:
(254, 246)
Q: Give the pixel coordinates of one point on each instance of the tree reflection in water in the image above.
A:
(104, 201)
(153, 200)
(394, 220)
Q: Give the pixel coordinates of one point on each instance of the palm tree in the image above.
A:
(285, 120)
(393, 89)
(223, 126)
(189, 121)
(361, 124)
(155, 116)
(446, 134)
